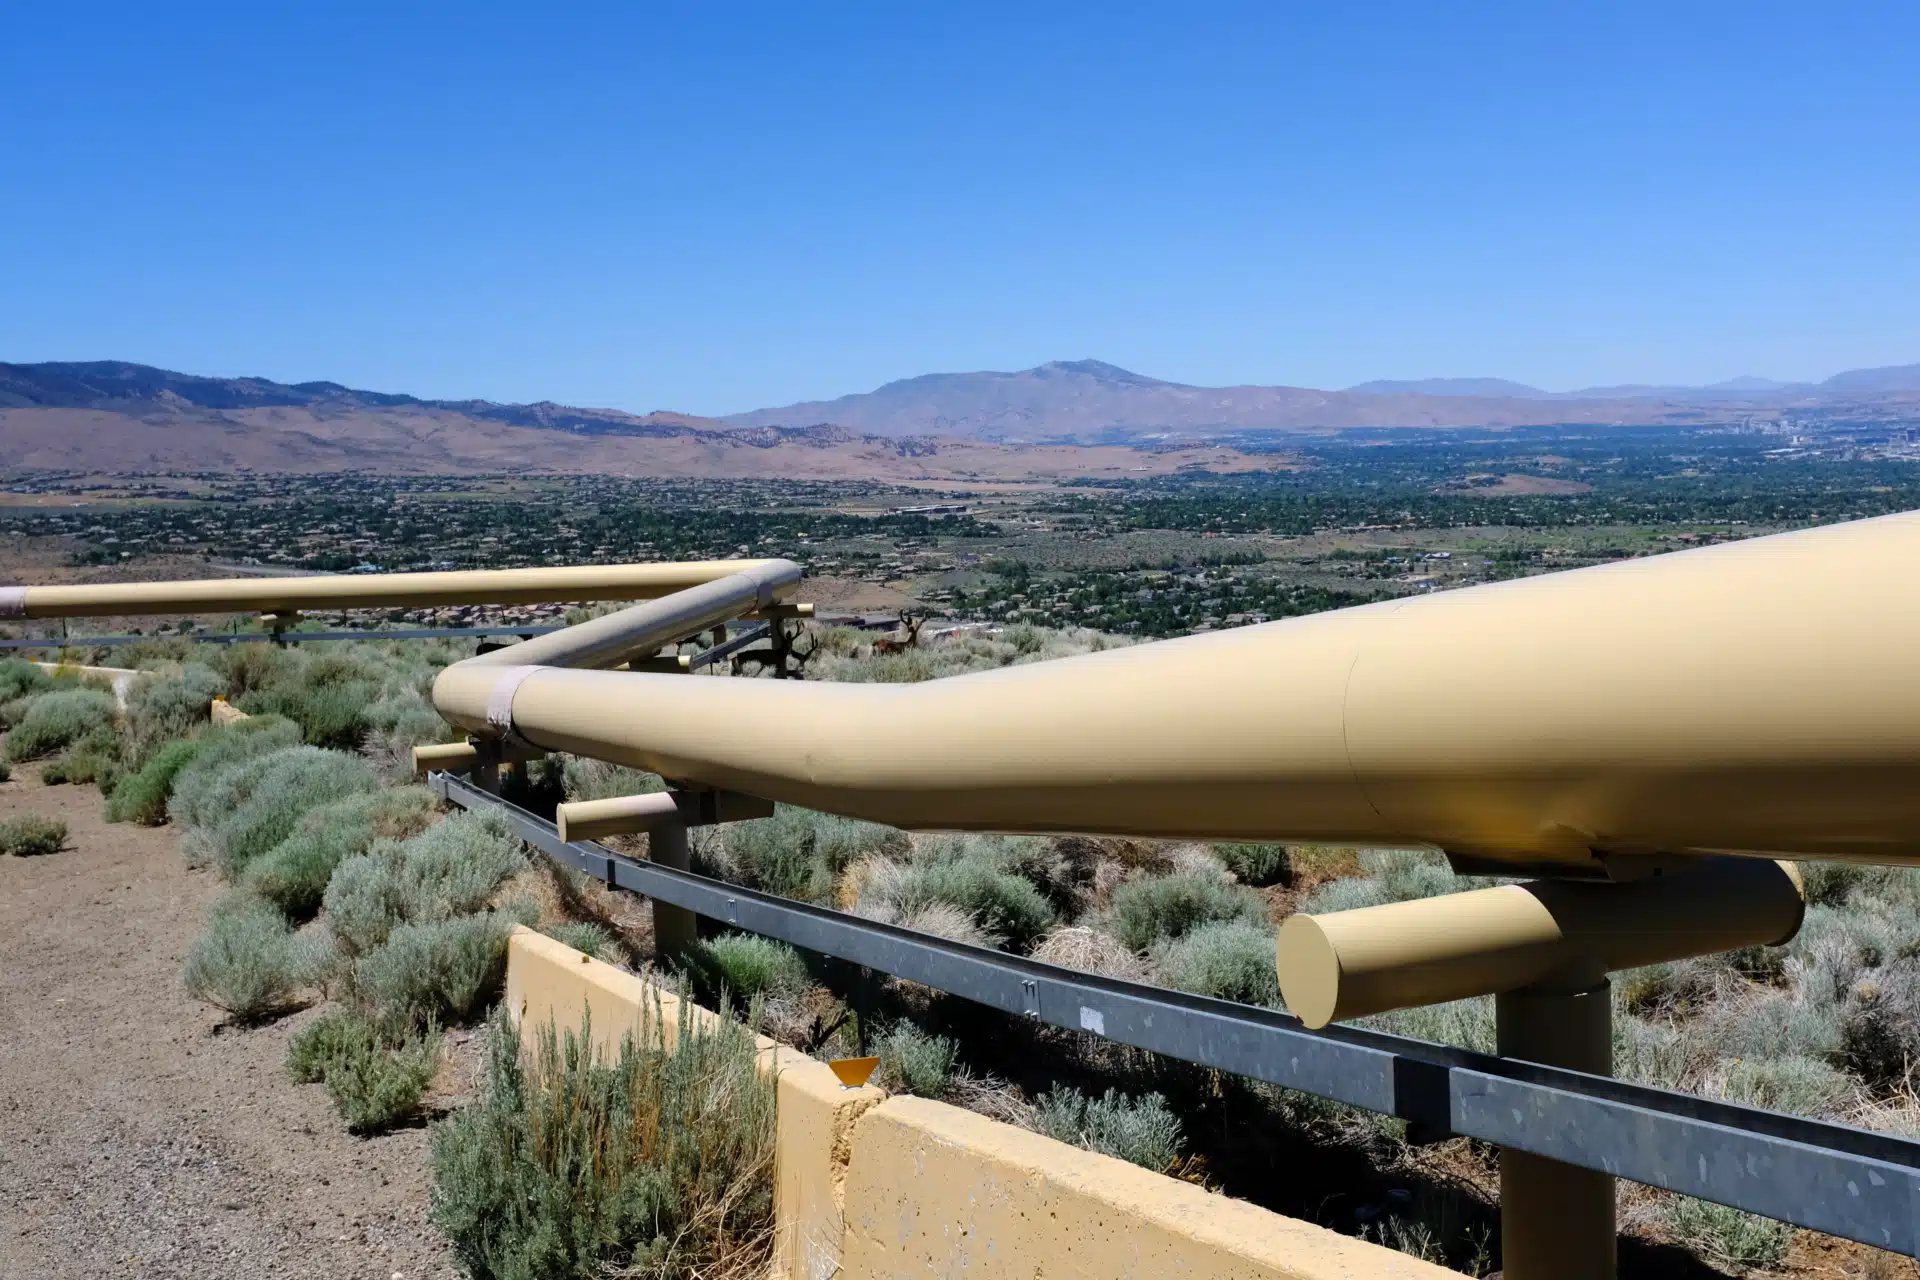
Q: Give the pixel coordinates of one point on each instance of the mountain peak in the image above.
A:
(1099, 370)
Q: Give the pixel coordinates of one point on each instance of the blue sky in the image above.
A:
(713, 208)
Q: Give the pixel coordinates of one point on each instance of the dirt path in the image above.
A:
(139, 1136)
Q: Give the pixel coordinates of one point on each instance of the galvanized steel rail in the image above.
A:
(1847, 1182)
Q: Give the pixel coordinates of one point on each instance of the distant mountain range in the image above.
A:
(1088, 399)
(133, 417)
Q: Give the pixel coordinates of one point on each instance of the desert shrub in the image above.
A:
(327, 1039)
(250, 667)
(1829, 884)
(1727, 1236)
(328, 716)
(192, 802)
(433, 972)
(54, 721)
(659, 1164)
(1880, 1029)
(1388, 875)
(1140, 1130)
(20, 678)
(248, 962)
(1465, 1024)
(584, 936)
(451, 869)
(142, 796)
(911, 1061)
(1010, 911)
(6, 772)
(1256, 864)
(1797, 1085)
(589, 779)
(744, 966)
(260, 800)
(796, 853)
(373, 1085)
(94, 758)
(293, 875)
(1226, 959)
(1156, 908)
(171, 707)
(30, 835)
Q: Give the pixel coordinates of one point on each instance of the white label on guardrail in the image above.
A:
(1093, 1020)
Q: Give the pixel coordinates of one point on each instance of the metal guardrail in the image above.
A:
(1847, 1182)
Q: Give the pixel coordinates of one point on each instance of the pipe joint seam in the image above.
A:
(13, 602)
(500, 698)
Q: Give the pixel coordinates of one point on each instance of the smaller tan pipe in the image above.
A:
(445, 757)
(563, 584)
(622, 815)
(625, 815)
(1349, 964)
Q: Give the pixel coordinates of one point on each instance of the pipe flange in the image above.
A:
(13, 602)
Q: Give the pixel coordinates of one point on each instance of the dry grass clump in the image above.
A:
(658, 1165)
(1091, 951)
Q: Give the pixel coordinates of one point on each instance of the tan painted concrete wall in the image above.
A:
(938, 1191)
(870, 1188)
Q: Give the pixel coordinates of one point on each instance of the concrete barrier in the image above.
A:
(868, 1187)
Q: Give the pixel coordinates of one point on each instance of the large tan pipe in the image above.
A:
(1349, 964)
(602, 642)
(567, 584)
(1759, 696)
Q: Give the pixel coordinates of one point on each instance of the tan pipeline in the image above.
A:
(1754, 697)
(572, 584)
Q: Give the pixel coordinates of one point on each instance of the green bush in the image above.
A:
(1141, 1130)
(584, 936)
(20, 678)
(745, 967)
(193, 802)
(6, 772)
(142, 795)
(911, 1061)
(57, 720)
(30, 835)
(658, 1165)
(293, 875)
(1156, 908)
(248, 962)
(257, 802)
(1256, 864)
(1225, 959)
(451, 869)
(374, 1087)
(434, 972)
(172, 707)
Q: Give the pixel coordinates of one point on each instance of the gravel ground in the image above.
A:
(139, 1134)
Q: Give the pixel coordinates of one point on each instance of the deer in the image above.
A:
(905, 638)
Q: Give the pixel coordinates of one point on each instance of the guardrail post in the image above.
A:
(1556, 1220)
(675, 929)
